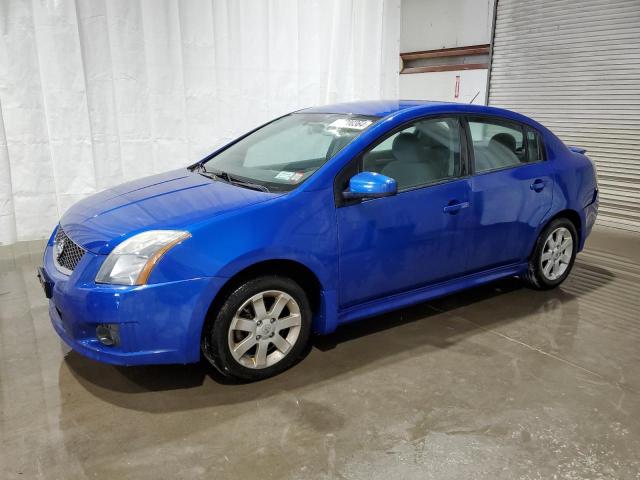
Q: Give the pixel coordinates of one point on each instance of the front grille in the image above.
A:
(66, 253)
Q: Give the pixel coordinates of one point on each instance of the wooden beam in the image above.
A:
(446, 68)
(447, 52)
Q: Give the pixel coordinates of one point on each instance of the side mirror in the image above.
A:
(370, 185)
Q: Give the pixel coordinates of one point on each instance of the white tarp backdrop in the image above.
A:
(97, 92)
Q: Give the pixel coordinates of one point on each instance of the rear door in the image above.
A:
(511, 191)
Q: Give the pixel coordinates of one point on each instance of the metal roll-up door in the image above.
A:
(574, 65)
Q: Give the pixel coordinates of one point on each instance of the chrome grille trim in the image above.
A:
(66, 253)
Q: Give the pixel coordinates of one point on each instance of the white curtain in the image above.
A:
(97, 92)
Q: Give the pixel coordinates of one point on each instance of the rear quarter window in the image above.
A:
(535, 147)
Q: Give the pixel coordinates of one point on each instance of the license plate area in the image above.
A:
(45, 281)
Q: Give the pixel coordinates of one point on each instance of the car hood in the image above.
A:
(172, 200)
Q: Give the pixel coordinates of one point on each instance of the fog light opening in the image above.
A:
(108, 334)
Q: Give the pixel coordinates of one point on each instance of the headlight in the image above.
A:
(131, 262)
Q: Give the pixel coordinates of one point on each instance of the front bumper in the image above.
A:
(158, 323)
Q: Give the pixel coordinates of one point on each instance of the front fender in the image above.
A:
(299, 227)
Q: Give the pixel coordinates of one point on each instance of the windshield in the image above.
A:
(284, 153)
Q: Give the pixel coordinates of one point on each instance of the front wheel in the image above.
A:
(261, 329)
(553, 255)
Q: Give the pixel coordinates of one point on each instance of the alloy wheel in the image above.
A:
(264, 329)
(556, 253)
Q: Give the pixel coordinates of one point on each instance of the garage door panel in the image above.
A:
(575, 67)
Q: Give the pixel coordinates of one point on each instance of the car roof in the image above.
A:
(384, 108)
(378, 108)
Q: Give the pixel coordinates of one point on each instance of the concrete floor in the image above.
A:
(496, 382)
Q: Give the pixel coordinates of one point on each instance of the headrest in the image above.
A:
(505, 139)
(405, 141)
(432, 134)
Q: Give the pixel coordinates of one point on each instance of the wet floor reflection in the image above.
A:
(495, 379)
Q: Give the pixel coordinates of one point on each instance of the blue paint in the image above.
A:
(370, 185)
(368, 256)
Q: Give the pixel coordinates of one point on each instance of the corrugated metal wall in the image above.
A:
(574, 65)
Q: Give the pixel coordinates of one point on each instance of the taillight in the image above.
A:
(595, 171)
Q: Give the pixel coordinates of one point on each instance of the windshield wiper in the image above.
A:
(212, 174)
(244, 183)
(224, 176)
(198, 167)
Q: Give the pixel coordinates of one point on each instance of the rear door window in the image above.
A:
(501, 144)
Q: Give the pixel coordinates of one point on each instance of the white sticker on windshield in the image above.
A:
(296, 177)
(351, 123)
(284, 175)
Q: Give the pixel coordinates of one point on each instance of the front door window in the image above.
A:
(424, 153)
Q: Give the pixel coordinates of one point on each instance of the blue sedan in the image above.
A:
(321, 217)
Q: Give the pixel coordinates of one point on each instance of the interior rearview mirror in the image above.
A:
(370, 185)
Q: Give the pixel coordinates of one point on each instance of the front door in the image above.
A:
(418, 236)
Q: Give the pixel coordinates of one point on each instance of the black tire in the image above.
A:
(535, 277)
(215, 338)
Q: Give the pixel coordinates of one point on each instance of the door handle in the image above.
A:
(455, 207)
(538, 185)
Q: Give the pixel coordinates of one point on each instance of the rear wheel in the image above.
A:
(553, 255)
(261, 329)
